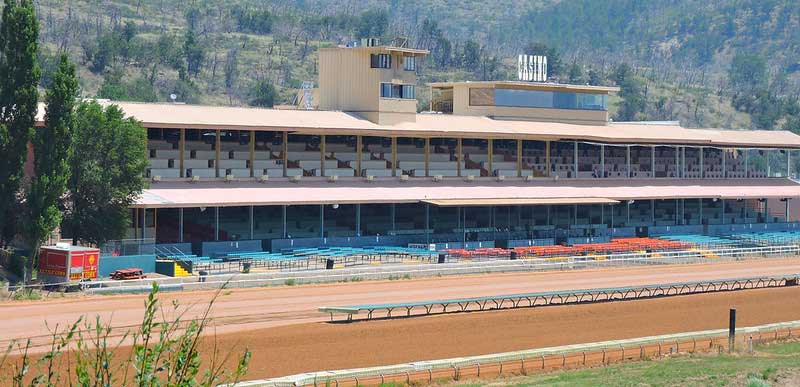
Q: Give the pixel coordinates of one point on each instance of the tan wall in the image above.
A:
(461, 106)
(348, 83)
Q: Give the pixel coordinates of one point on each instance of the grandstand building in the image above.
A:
(495, 164)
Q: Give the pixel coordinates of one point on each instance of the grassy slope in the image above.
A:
(776, 363)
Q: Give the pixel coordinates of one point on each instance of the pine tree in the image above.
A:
(19, 77)
(51, 145)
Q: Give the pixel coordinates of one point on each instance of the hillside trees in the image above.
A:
(19, 77)
(633, 102)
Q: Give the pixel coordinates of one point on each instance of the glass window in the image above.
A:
(409, 63)
(380, 61)
(407, 92)
(481, 96)
(540, 99)
(386, 90)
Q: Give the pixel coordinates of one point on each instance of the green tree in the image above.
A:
(51, 145)
(263, 94)
(631, 91)
(555, 66)
(19, 77)
(747, 72)
(107, 165)
(192, 49)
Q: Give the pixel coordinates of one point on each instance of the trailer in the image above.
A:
(63, 263)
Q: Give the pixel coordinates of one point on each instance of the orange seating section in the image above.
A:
(616, 246)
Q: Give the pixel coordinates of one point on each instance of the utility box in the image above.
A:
(64, 263)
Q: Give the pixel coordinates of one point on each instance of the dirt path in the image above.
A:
(241, 310)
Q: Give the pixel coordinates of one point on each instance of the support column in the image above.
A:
(182, 152)
(575, 160)
(144, 223)
(653, 212)
(766, 211)
(322, 155)
(653, 161)
(602, 214)
(252, 153)
(519, 158)
(359, 155)
(677, 217)
(547, 157)
(700, 209)
(788, 163)
(155, 222)
(427, 223)
(252, 226)
(702, 170)
(216, 223)
(602, 160)
(459, 155)
(724, 161)
(786, 209)
(180, 225)
(722, 204)
(746, 160)
(677, 162)
(217, 145)
(490, 153)
(628, 161)
(427, 150)
(393, 213)
(283, 221)
(628, 213)
(322, 221)
(394, 156)
(683, 162)
(358, 219)
(285, 154)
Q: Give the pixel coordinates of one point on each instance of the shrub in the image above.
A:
(164, 352)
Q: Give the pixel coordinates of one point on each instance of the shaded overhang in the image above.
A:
(356, 191)
(472, 202)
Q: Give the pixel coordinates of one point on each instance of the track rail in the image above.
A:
(511, 301)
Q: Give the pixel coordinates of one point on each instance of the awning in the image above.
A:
(517, 201)
(391, 190)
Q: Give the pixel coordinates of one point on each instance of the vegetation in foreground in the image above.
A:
(165, 351)
(776, 364)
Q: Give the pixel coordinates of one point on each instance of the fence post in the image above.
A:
(604, 356)
(430, 376)
(522, 363)
(584, 358)
(479, 370)
(542, 361)
(732, 330)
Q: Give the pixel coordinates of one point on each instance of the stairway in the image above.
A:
(180, 271)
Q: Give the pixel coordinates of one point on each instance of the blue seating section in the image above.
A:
(194, 258)
(330, 252)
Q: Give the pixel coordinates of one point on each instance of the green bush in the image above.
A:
(164, 353)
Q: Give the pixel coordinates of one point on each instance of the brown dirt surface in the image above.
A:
(239, 310)
(286, 334)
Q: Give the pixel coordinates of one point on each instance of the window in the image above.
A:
(380, 61)
(407, 92)
(409, 63)
(481, 96)
(539, 99)
(390, 90)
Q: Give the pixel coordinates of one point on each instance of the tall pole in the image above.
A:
(459, 155)
(182, 152)
(322, 155)
(217, 145)
(252, 152)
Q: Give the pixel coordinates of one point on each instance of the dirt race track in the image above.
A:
(287, 335)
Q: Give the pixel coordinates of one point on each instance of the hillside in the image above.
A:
(231, 52)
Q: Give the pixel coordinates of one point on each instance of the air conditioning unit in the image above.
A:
(403, 177)
(369, 178)
(295, 179)
(263, 178)
(333, 179)
(229, 178)
(156, 179)
(438, 178)
(195, 179)
(469, 178)
(500, 177)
